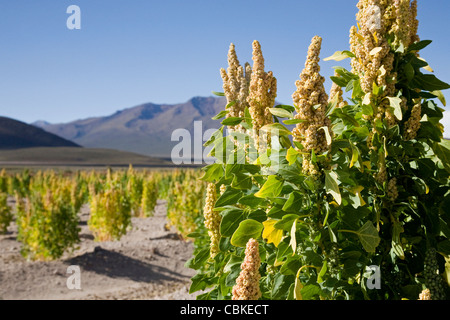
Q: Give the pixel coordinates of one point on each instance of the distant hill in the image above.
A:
(15, 134)
(145, 129)
(69, 156)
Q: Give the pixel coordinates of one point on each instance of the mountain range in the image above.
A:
(144, 129)
(16, 134)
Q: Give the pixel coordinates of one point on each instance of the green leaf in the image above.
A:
(341, 82)
(229, 197)
(290, 265)
(241, 181)
(280, 288)
(199, 259)
(313, 156)
(230, 221)
(429, 82)
(233, 268)
(213, 172)
(357, 90)
(368, 235)
(198, 282)
(218, 134)
(293, 121)
(258, 215)
(409, 71)
(355, 197)
(340, 55)
(271, 188)
(310, 291)
(285, 107)
(286, 222)
(332, 105)
(282, 113)
(322, 272)
(440, 96)
(232, 103)
(444, 247)
(419, 45)
(420, 185)
(442, 151)
(340, 113)
(294, 202)
(367, 109)
(276, 129)
(285, 142)
(232, 121)
(247, 229)
(248, 117)
(292, 155)
(344, 73)
(220, 115)
(376, 90)
(397, 247)
(356, 157)
(428, 130)
(220, 94)
(331, 185)
(395, 103)
(251, 201)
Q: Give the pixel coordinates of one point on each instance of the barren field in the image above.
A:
(147, 263)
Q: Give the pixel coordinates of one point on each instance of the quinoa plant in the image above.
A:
(360, 184)
(111, 211)
(185, 202)
(6, 215)
(47, 222)
(149, 196)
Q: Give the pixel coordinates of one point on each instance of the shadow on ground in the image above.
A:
(117, 265)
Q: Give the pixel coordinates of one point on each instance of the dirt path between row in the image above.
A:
(147, 263)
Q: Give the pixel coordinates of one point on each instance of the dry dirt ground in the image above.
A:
(147, 263)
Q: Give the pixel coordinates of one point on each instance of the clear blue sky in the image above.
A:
(137, 51)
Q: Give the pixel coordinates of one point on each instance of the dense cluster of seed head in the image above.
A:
(223, 187)
(383, 27)
(374, 60)
(381, 174)
(261, 97)
(333, 259)
(425, 295)
(414, 23)
(310, 168)
(392, 191)
(310, 100)
(412, 125)
(236, 81)
(247, 283)
(212, 218)
(433, 280)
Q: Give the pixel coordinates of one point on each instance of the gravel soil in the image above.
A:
(146, 264)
